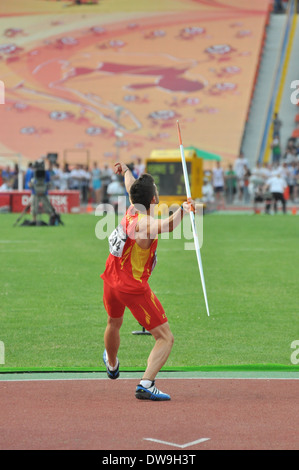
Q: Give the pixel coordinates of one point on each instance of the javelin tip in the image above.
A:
(179, 132)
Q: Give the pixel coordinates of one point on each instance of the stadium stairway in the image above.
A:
(288, 111)
(257, 115)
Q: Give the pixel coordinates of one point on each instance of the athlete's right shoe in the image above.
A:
(151, 393)
(112, 374)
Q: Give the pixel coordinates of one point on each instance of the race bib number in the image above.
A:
(117, 241)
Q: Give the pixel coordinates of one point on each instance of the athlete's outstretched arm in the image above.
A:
(149, 227)
(169, 224)
(122, 169)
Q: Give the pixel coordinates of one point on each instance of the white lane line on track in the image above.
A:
(180, 446)
(72, 379)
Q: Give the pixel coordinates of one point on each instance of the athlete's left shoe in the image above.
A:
(151, 393)
(112, 374)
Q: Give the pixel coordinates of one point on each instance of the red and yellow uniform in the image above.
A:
(128, 269)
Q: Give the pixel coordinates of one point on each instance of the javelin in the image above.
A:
(192, 217)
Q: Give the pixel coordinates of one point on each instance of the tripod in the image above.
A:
(35, 202)
(142, 332)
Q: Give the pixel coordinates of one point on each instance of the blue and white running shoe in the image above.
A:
(112, 374)
(151, 393)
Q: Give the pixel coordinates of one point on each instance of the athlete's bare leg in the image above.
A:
(160, 352)
(112, 339)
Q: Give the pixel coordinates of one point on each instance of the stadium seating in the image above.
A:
(114, 86)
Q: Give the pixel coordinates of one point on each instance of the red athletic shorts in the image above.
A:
(145, 306)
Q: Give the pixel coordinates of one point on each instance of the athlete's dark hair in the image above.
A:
(143, 190)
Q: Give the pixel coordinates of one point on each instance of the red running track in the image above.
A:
(104, 414)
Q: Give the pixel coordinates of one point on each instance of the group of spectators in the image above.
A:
(96, 185)
(265, 184)
(9, 178)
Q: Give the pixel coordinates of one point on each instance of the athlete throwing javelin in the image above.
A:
(129, 265)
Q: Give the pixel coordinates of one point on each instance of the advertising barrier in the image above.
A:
(63, 201)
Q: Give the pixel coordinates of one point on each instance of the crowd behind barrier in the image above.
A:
(263, 185)
(96, 185)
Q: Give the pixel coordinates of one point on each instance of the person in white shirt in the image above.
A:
(5, 187)
(139, 167)
(292, 181)
(266, 171)
(64, 180)
(106, 174)
(257, 175)
(115, 189)
(239, 169)
(207, 192)
(218, 183)
(284, 171)
(57, 176)
(276, 185)
(75, 178)
(85, 183)
(290, 155)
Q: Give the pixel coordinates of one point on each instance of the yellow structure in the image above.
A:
(166, 168)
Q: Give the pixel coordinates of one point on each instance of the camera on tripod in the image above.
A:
(39, 186)
(39, 183)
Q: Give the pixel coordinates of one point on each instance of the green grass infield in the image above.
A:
(52, 316)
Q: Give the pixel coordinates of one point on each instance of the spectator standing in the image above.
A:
(292, 180)
(65, 176)
(75, 178)
(284, 171)
(96, 183)
(276, 126)
(15, 177)
(115, 189)
(247, 174)
(230, 184)
(296, 188)
(239, 168)
(5, 186)
(139, 167)
(207, 192)
(276, 186)
(7, 175)
(258, 197)
(266, 171)
(290, 155)
(28, 176)
(257, 182)
(276, 151)
(218, 183)
(57, 176)
(85, 180)
(257, 174)
(106, 176)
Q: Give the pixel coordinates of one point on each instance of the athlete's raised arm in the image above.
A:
(122, 169)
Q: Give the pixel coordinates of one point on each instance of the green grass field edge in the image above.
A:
(211, 368)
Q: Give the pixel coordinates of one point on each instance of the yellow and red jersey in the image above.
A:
(128, 266)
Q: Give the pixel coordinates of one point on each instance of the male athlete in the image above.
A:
(129, 265)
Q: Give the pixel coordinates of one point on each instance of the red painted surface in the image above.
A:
(62, 201)
(4, 200)
(104, 415)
